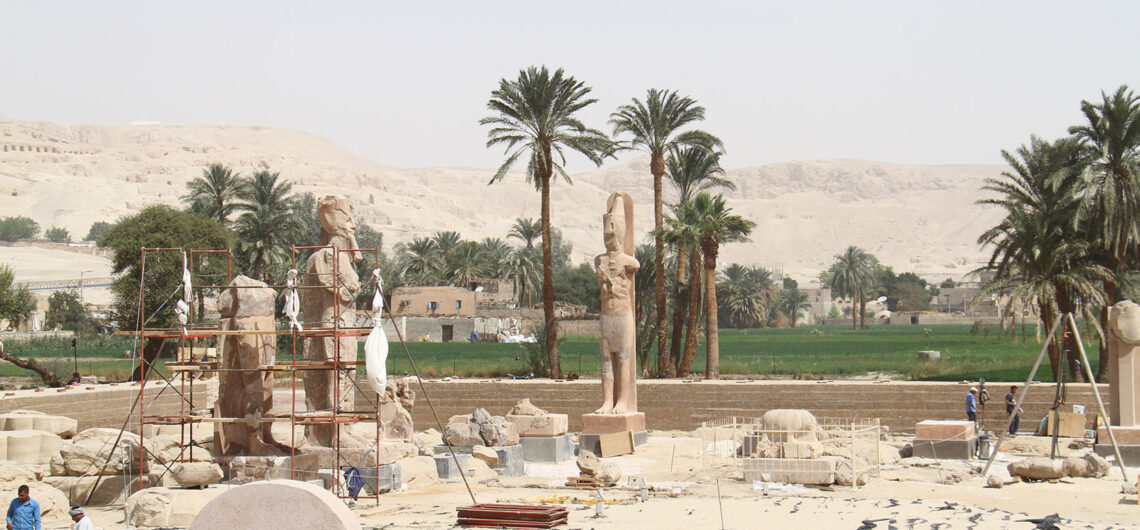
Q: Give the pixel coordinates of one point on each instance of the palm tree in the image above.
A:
(1035, 257)
(524, 272)
(526, 230)
(690, 169)
(420, 259)
(854, 276)
(215, 194)
(446, 242)
(717, 225)
(268, 220)
(467, 263)
(790, 303)
(1111, 141)
(749, 293)
(534, 116)
(681, 232)
(655, 127)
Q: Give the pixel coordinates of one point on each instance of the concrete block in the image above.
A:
(590, 441)
(441, 449)
(510, 460)
(29, 446)
(30, 420)
(1130, 453)
(445, 466)
(790, 470)
(944, 430)
(946, 449)
(389, 478)
(548, 425)
(611, 423)
(547, 449)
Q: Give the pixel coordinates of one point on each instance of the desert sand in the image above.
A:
(920, 218)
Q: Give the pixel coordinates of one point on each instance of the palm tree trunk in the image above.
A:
(548, 282)
(712, 339)
(1107, 360)
(1054, 350)
(862, 312)
(678, 308)
(854, 309)
(1069, 340)
(664, 364)
(693, 308)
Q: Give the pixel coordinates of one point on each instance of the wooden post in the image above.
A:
(1099, 402)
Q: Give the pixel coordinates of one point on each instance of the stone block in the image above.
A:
(611, 423)
(112, 489)
(197, 474)
(168, 507)
(1124, 435)
(946, 449)
(250, 468)
(389, 478)
(547, 449)
(386, 452)
(792, 471)
(590, 441)
(511, 460)
(29, 446)
(441, 449)
(276, 504)
(944, 430)
(546, 425)
(30, 420)
(445, 466)
(1130, 453)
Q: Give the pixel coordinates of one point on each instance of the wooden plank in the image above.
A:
(615, 444)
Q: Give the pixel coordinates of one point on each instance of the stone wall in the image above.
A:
(106, 405)
(683, 406)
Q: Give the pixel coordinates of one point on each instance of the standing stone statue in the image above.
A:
(327, 301)
(615, 271)
(1124, 364)
(246, 305)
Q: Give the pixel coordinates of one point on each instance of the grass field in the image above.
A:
(807, 351)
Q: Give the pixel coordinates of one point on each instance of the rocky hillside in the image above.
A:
(920, 218)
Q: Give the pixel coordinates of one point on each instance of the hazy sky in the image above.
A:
(404, 83)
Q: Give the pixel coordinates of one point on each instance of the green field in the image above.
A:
(806, 351)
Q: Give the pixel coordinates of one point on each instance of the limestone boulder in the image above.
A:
(525, 408)
(53, 503)
(99, 490)
(14, 472)
(464, 434)
(169, 507)
(993, 481)
(499, 432)
(29, 446)
(485, 454)
(1087, 465)
(165, 449)
(89, 450)
(1037, 468)
(610, 473)
(197, 474)
(480, 428)
(32, 420)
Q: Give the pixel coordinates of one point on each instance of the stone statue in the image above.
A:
(246, 305)
(1124, 363)
(322, 304)
(615, 271)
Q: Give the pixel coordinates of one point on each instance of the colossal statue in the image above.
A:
(615, 272)
(1124, 363)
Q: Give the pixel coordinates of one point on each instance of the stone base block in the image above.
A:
(112, 489)
(789, 470)
(946, 449)
(548, 425)
(30, 420)
(244, 469)
(1130, 453)
(1123, 435)
(611, 423)
(510, 457)
(944, 430)
(590, 441)
(547, 449)
(388, 479)
(445, 466)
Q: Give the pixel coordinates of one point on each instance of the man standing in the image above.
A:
(82, 522)
(1010, 404)
(972, 404)
(23, 512)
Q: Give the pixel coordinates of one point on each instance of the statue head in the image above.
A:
(1124, 321)
(613, 230)
(337, 226)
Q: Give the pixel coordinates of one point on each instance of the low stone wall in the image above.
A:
(106, 405)
(683, 406)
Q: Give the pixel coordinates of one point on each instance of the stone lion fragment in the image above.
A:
(1037, 468)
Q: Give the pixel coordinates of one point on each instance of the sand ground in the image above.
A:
(717, 498)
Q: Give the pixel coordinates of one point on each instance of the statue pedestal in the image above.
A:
(250, 468)
(1128, 438)
(595, 425)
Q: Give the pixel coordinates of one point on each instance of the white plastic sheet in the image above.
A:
(376, 346)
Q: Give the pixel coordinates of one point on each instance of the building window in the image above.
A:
(432, 306)
(459, 304)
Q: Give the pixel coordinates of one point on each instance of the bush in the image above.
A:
(66, 311)
(58, 234)
(17, 228)
(98, 228)
(537, 360)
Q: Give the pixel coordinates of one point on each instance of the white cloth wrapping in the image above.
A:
(376, 346)
(292, 301)
(187, 287)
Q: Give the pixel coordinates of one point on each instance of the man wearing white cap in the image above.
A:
(972, 404)
(82, 522)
